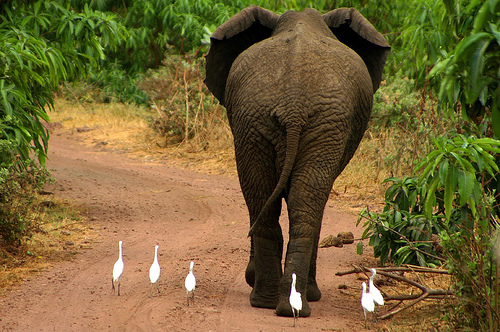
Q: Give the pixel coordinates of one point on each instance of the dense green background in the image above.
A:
(451, 47)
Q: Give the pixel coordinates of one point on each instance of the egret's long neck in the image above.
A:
(120, 250)
(156, 254)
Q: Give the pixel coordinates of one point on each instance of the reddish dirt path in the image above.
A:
(191, 216)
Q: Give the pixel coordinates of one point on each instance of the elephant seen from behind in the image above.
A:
(298, 90)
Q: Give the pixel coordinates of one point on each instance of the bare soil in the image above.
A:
(192, 216)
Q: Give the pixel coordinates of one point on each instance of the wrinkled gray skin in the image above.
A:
(298, 89)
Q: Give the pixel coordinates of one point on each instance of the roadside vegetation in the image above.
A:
(427, 169)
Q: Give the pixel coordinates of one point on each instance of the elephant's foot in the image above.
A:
(313, 292)
(260, 300)
(284, 308)
(250, 273)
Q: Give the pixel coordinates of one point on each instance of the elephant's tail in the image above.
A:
(292, 146)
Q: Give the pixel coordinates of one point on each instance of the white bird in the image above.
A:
(118, 269)
(295, 299)
(190, 282)
(377, 296)
(154, 272)
(367, 301)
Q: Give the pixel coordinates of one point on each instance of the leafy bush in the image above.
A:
(186, 109)
(17, 190)
(471, 259)
(115, 85)
(451, 200)
(469, 74)
(401, 124)
(456, 177)
(450, 189)
(453, 47)
(402, 234)
(43, 44)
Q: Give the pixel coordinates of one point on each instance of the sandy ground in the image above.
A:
(192, 216)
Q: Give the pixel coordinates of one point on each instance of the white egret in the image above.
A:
(295, 299)
(367, 301)
(190, 282)
(377, 296)
(118, 269)
(154, 272)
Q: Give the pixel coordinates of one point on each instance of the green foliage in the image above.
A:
(456, 178)
(116, 85)
(428, 30)
(451, 199)
(458, 165)
(17, 190)
(43, 44)
(401, 234)
(186, 109)
(453, 47)
(401, 123)
(472, 261)
(469, 74)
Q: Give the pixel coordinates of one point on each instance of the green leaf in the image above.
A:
(495, 114)
(476, 62)
(421, 259)
(482, 17)
(495, 31)
(443, 171)
(449, 190)
(431, 166)
(466, 183)
(430, 200)
(359, 248)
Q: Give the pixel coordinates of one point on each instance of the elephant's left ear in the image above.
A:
(252, 25)
(353, 30)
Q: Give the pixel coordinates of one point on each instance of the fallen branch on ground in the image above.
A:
(426, 292)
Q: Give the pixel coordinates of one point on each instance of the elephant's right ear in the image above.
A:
(353, 30)
(252, 25)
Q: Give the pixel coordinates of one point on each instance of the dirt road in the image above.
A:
(191, 216)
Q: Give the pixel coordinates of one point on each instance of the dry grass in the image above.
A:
(62, 231)
(126, 128)
(116, 126)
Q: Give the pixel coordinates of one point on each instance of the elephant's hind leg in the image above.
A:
(250, 270)
(265, 265)
(298, 252)
(258, 178)
(265, 292)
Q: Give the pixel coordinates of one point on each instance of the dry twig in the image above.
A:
(425, 291)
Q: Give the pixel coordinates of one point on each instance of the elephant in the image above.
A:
(298, 91)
